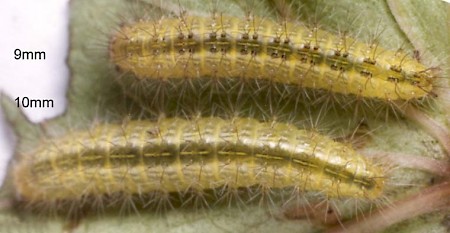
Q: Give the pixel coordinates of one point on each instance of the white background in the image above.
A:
(31, 25)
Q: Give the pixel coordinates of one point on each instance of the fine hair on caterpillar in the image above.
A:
(233, 53)
(233, 159)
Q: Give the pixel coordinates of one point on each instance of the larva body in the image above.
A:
(222, 47)
(176, 155)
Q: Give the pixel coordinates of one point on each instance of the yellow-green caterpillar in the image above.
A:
(226, 48)
(178, 155)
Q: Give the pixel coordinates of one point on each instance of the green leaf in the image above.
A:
(94, 96)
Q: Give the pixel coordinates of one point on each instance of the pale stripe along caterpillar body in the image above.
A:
(177, 155)
(220, 47)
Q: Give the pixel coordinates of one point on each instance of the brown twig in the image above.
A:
(431, 126)
(434, 198)
(437, 167)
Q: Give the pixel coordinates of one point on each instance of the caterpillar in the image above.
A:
(178, 155)
(241, 50)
